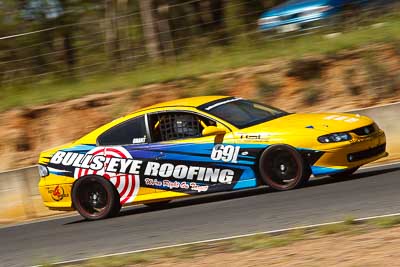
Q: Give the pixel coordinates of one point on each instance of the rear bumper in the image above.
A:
(57, 196)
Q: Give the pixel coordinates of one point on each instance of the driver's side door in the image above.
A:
(187, 161)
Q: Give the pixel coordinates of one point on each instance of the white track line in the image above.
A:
(73, 215)
(381, 165)
(217, 239)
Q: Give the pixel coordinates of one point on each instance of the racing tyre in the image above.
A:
(158, 205)
(283, 168)
(347, 173)
(95, 198)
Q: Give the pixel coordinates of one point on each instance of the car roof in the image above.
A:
(185, 102)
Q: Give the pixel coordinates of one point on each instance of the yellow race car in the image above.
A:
(202, 145)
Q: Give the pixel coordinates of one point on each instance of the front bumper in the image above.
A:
(356, 153)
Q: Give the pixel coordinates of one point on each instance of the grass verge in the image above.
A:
(257, 242)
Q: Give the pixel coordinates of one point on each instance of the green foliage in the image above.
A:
(381, 81)
(266, 88)
(386, 222)
(265, 241)
(136, 92)
(213, 87)
(334, 228)
(396, 47)
(312, 95)
(306, 69)
(349, 76)
(350, 220)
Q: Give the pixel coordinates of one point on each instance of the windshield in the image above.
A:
(242, 113)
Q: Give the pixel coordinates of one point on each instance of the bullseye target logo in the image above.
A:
(114, 164)
(57, 194)
(127, 184)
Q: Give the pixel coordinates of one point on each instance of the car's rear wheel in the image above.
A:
(95, 198)
(345, 174)
(283, 168)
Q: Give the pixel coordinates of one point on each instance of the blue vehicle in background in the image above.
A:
(297, 15)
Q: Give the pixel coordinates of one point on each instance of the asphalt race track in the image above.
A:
(370, 192)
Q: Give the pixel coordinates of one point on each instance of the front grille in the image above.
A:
(366, 130)
(366, 153)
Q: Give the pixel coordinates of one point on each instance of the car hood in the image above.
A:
(294, 7)
(313, 123)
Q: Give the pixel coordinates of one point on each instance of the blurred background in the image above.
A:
(56, 46)
(67, 67)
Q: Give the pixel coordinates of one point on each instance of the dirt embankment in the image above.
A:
(342, 81)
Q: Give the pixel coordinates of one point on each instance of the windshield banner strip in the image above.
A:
(222, 103)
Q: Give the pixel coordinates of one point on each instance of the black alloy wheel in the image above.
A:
(283, 168)
(95, 198)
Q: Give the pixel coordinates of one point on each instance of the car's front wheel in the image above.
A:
(95, 198)
(283, 168)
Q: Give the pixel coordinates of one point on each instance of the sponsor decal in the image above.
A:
(251, 136)
(198, 188)
(117, 165)
(114, 164)
(167, 184)
(226, 153)
(114, 160)
(140, 140)
(194, 173)
(360, 140)
(215, 105)
(57, 194)
(341, 118)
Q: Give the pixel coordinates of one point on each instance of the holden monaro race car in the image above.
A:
(202, 145)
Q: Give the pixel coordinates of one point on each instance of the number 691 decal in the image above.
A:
(226, 153)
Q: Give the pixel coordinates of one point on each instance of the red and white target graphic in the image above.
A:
(127, 185)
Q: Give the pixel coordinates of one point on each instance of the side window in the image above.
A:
(168, 126)
(130, 132)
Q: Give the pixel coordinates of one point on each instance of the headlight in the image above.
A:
(43, 171)
(315, 10)
(268, 20)
(334, 138)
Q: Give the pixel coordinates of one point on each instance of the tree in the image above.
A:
(149, 29)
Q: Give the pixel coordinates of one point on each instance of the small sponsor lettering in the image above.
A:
(251, 136)
(141, 140)
(356, 141)
(167, 184)
(198, 188)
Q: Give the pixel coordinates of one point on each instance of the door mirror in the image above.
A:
(213, 130)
